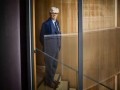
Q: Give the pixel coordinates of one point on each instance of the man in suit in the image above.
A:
(51, 41)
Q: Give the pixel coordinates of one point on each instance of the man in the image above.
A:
(51, 42)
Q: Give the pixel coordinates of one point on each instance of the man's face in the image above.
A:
(53, 16)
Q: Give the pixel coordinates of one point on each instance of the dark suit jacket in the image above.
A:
(52, 42)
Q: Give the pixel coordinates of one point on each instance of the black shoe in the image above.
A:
(56, 82)
(51, 85)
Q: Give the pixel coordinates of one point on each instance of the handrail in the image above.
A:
(35, 51)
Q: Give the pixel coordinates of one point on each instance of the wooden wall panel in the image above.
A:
(69, 56)
(98, 14)
(101, 45)
(101, 54)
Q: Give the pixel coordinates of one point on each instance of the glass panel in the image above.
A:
(99, 43)
(66, 72)
(67, 61)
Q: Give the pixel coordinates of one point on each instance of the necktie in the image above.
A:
(56, 26)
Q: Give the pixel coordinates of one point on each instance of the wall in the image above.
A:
(13, 47)
(100, 42)
(10, 60)
(69, 56)
(98, 14)
(101, 54)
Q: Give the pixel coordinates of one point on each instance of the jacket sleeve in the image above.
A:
(42, 33)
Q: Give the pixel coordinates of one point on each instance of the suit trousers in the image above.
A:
(51, 66)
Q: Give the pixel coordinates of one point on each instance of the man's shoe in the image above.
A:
(56, 82)
(51, 85)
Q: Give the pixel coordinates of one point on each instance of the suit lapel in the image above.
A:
(53, 29)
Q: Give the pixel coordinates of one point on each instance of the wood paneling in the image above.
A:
(101, 54)
(13, 50)
(101, 48)
(98, 14)
(69, 56)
